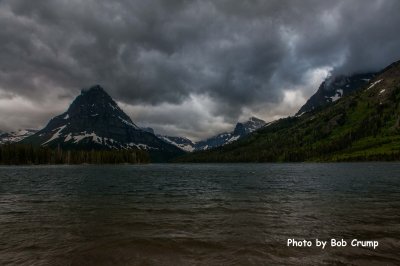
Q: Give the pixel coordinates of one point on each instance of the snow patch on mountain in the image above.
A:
(232, 139)
(337, 96)
(55, 136)
(113, 106)
(85, 135)
(128, 123)
(180, 142)
(374, 84)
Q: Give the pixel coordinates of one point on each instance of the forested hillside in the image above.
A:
(362, 126)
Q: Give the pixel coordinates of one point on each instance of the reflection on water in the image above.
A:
(224, 214)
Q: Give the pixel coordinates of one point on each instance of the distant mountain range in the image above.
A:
(241, 130)
(362, 125)
(15, 136)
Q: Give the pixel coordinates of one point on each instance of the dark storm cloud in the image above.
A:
(239, 54)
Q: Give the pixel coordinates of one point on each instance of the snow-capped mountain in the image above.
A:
(95, 121)
(15, 136)
(241, 130)
(333, 88)
(180, 142)
(248, 127)
(215, 141)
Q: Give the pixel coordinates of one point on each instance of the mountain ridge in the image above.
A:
(364, 125)
(333, 88)
(240, 131)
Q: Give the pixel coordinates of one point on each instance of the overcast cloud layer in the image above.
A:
(189, 68)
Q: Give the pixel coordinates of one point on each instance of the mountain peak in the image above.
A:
(241, 130)
(256, 119)
(95, 93)
(95, 121)
(92, 112)
(94, 88)
(95, 100)
(249, 126)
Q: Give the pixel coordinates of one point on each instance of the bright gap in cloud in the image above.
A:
(194, 118)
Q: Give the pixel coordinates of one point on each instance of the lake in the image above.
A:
(199, 214)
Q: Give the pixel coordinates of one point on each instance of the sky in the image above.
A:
(185, 68)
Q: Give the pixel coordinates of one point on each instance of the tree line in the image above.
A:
(20, 154)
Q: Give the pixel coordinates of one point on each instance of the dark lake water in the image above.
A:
(201, 214)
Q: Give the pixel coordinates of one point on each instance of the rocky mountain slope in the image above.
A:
(333, 88)
(364, 125)
(95, 121)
